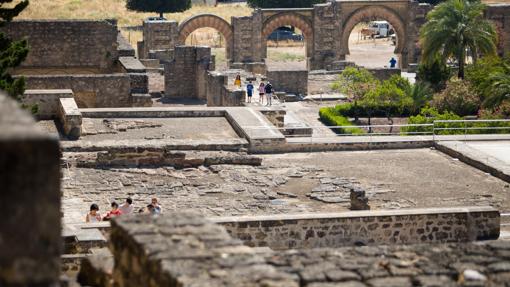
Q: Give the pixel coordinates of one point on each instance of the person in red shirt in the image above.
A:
(114, 212)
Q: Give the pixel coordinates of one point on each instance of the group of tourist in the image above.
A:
(127, 208)
(265, 91)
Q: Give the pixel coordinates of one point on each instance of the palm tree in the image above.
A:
(456, 29)
(499, 88)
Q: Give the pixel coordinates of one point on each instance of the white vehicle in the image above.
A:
(380, 28)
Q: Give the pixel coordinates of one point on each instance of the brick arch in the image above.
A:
(207, 21)
(289, 19)
(371, 13)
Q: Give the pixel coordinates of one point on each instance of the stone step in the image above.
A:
(97, 268)
(80, 241)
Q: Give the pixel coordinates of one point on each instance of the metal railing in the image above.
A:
(438, 129)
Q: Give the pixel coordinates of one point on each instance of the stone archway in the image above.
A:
(207, 21)
(292, 19)
(370, 13)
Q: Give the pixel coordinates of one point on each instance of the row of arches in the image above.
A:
(364, 14)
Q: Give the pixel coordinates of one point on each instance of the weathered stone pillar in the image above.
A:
(157, 36)
(30, 242)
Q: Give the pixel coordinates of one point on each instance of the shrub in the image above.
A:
(458, 97)
(431, 116)
(435, 74)
(331, 118)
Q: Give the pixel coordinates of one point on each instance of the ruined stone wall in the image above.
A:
(186, 73)
(500, 15)
(30, 242)
(67, 43)
(366, 227)
(90, 91)
(47, 101)
(289, 81)
(185, 250)
(157, 35)
(218, 93)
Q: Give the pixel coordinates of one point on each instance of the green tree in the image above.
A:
(436, 74)
(283, 3)
(159, 6)
(12, 53)
(457, 29)
(355, 83)
(499, 89)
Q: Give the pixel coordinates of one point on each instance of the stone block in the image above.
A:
(47, 101)
(30, 242)
(70, 118)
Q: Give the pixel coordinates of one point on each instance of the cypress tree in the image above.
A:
(12, 53)
(159, 6)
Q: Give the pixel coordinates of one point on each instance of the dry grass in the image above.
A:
(101, 9)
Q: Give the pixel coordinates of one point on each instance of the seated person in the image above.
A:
(157, 207)
(93, 215)
(113, 213)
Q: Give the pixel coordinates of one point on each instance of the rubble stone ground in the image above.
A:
(290, 183)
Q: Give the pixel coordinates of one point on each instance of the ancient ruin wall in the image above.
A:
(500, 15)
(90, 91)
(30, 242)
(289, 81)
(365, 228)
(67, 43)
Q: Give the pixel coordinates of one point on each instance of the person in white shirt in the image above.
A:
(127, 207)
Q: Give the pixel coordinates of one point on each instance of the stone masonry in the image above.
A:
(186, 250)
(30, 242)
(67, 43)
(47, 101)
(292, 82)
(186, 73)
(365, 228)
(326, 29)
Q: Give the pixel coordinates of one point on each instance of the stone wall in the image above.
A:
(47, 101)
(30, 242)
(218, 93)
(500, 15)
(67, 43)
(366, 228)
(183, 249)
(157, 35)
(186, 73)
(90, 91)
(384, 73)
(289, 81)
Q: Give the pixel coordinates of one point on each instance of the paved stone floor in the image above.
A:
(291, 183)
(208, 128)
(496, 149)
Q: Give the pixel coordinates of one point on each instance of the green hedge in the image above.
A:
(394, 110)
(331, 118)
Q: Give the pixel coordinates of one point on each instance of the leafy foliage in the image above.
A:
(159, 6)
(436, 74)
(458, 97)
(331, 118)
(283, 3)
(12, 53)
(456, 29)
(432, 116)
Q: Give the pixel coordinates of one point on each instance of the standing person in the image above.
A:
(262, 92)
(113, 213)
(393, 62)
(269, 93)
(127, 207)
(237, 81)
(93, 215)
(157, 207)
(249, 90)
